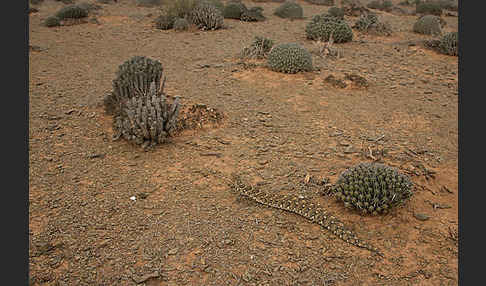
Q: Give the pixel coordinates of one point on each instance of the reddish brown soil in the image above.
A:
(186, 227)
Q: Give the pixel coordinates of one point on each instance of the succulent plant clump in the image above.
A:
(180, 8)
(289, 9)
(428, 8)
(207, 16)
(72, 12)
(181, 24)
(254, 14)
(233, 10)
(165, 22)
(451, 5)
(428, 25)
(89, 6)
(148, 3)
(321, 27)
(336, 12)
(449, 44)
(259, 48)
(382, 5)
(146, 120)
(289, 58)
(372, 188)
(52, 21)
(321, 2)
(133, 79)
(370, 24)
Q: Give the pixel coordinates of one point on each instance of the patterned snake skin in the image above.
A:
(309, 210)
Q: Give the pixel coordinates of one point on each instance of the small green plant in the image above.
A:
(181, 24)
(181, 8)
(289, 58)
(428, 8)
(321, 27)
(382, 5)
(428, 25)
(289, 9)
(72, 12)
(372, 188)
(133, 78)
(147, 120)
(233, 10)
(321, 2)
(448, 44)
(370, 24)
(148, 3)
(254, 14)
(206, 16)
(52, 21)
(450, 5)
(336, 12)
(259, 48)
(165, 21)
(89, 6)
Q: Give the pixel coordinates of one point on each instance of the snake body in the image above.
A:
(311, 211)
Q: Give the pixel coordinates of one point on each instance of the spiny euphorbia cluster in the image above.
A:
(146, 120)
(448, 44)
(428, 25)
(289, 58)
(370, 24)
(372, 188)
(142, 114)
(207, 16)
(259, 48)
(321, 27)
(133, 78)
(289, 9)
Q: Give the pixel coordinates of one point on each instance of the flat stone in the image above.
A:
(421, 217)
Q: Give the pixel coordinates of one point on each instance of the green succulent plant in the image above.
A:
(146, 120)
(289, 9)
(165, 22)
(52, 21)
(207, 16)
(336, 12)
(254, 14)
(428, 25)
(181, 24)
(233, 10)
(370, 24)
(148, 3)
(428, 8)
(72, 12)
(382, 5)
(448, 44)
(259, 48)
(321, 27)
(321, 2)
(289, 58)
(133, 79)
(372, 188)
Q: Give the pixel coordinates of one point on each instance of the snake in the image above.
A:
(303, 207)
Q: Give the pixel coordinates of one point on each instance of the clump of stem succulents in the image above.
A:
(372, 188)
(259, 48)
(142, 112)
(321, 27)
(289, 58)
(290, 9)
(428, 25)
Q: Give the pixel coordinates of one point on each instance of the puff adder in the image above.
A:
(311, 211)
